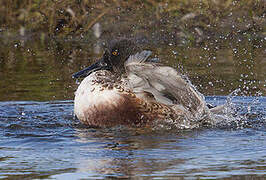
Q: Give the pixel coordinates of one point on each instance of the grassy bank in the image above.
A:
(75, 18)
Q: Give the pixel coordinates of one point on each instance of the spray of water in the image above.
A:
(237, 113)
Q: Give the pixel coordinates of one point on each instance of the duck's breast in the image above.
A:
(101, 102)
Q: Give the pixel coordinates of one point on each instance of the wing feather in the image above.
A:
(165, 83)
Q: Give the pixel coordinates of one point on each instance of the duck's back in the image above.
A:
(166, 84)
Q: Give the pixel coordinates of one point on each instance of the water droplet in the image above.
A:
(77, 82)
(174, 52)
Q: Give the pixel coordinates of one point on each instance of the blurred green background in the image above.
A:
(218, 44)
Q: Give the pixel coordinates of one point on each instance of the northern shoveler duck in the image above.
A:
(126, 87)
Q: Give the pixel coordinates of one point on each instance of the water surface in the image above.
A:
(44, 140)
(41, 138)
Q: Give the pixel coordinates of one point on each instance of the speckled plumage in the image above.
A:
(103, 101)
(133, 91)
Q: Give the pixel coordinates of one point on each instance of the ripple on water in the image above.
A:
(40, 139)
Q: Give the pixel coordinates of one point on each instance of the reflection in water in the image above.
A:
(38, 70)
(203, 153)
(129, 152)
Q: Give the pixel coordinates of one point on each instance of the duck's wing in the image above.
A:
(165, 83)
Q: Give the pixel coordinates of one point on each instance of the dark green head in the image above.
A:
(113, 58)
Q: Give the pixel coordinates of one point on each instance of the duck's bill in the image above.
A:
(88, 70)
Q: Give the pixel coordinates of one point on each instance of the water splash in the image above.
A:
(240, 111)
(237, 112)
(77, 81)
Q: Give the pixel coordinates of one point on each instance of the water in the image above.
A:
(41, 138)
(44, 140)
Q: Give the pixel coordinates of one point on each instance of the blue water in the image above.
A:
(45, 140)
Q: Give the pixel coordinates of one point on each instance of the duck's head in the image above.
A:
(113, 58)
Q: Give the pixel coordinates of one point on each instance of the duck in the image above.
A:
(128, 87)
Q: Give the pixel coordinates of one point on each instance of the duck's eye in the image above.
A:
(115, 53)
